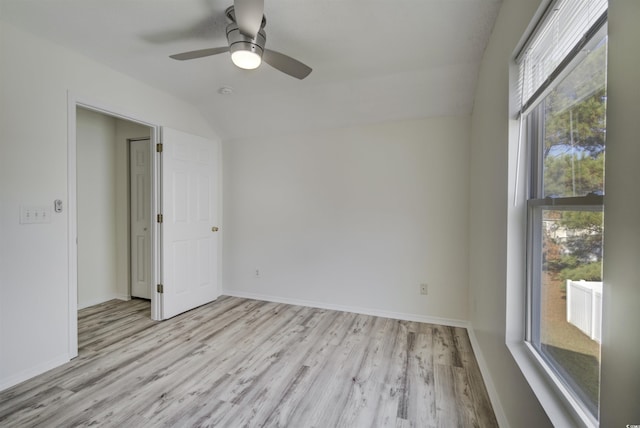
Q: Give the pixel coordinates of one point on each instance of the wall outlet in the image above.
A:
(257, 273)
(424, 289)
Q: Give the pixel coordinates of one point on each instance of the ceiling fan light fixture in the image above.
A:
(246, 59)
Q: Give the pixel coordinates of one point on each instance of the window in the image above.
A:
(563, 112)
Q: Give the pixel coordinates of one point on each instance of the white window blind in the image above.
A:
(564, 28)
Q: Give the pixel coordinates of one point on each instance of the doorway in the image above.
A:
(184, 214)
(105, 257)
(114, 208)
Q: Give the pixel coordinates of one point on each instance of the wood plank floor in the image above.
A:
(247, 363)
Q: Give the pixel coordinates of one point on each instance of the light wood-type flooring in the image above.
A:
(247, 363)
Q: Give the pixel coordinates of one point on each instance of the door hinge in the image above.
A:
(159, 147)
(160, 288)
(159, 218)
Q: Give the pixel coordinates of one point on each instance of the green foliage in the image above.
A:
(575, 109)
(573, 154)
(584, 221)
(585, 234)
(563, 263)
(575, 130)
(588, 272)
(579, 124)
(578, 255)
(564, 176)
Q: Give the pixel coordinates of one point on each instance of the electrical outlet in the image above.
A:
(423, 289)
(257, 273)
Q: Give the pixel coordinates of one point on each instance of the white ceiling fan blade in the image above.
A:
(249, 16)
(199, 53)
(286, 64)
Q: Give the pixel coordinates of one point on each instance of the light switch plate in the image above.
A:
(35, 215)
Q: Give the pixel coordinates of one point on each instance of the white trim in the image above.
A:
(220, 207)
(73, 101)
(123, 297)
(72, 228)
(355, 309)
(156, 237)
(34, 371)
(548, 389)
(498, 410)
(99, 300)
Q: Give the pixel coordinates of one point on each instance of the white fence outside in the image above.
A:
(584, 307)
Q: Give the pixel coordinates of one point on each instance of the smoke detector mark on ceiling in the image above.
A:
(225, 90)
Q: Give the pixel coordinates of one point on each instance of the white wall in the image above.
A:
(490, 201)
(35, 77)
(96, 160)
(496, 228)
(353, 218)
(620, 369)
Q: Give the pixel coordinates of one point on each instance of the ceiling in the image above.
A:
(372, 60)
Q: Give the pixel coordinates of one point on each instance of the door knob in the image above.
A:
(214, 229)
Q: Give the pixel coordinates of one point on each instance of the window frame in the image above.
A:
(535, 205)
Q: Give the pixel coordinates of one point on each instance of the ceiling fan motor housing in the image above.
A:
(240, 42)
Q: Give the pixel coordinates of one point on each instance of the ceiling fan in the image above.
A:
(247, 38)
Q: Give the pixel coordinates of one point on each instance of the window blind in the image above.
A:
(566, 26)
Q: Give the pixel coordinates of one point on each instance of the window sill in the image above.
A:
(561, 409)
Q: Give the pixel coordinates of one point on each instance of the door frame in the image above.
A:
(73, 102)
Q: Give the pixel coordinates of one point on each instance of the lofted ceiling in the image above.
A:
(372, 60)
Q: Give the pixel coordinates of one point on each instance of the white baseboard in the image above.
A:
(97, 301)
(33, 371)
(354, 309)
(486, 376)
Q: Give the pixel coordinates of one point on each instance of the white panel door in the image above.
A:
(140, 218)
(189, 249)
